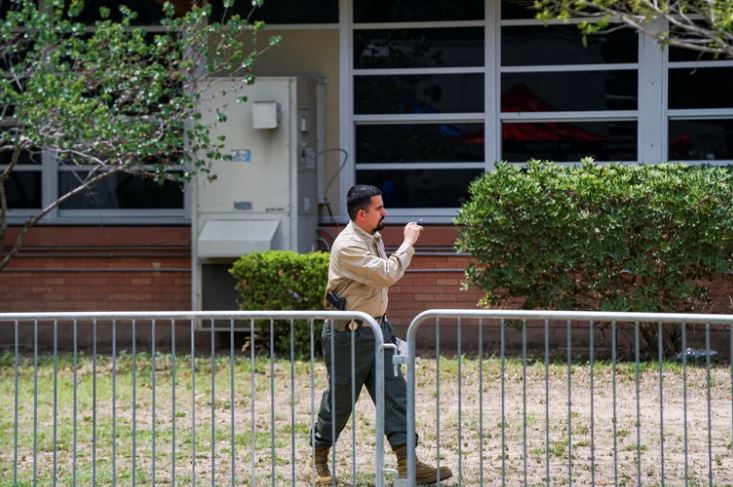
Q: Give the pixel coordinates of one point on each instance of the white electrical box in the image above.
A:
(265, 197)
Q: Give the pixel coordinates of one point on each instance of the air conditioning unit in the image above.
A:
(266, 196)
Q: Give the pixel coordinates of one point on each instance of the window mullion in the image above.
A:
(652, 117)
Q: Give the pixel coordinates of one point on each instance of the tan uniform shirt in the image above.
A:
(360, 271)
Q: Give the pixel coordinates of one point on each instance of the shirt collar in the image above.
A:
(364, 234)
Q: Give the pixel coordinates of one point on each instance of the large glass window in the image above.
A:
(563, 99)
(417, 10)
(700, 107)
(282, 11)
(419, 94)
(418, 48)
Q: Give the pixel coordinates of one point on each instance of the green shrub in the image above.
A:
(614, 237)
(282, 280)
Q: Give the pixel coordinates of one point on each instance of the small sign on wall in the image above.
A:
(241, 155)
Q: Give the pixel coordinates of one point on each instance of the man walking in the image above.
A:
(360, 273)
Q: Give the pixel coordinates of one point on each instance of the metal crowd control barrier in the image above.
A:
(125, 406)
(564, 398)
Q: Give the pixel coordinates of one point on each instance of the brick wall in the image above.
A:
(100, 269)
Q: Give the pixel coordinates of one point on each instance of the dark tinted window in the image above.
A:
(700, 88)
(517, 9)
(421, 188)
(434, 142)
(703, 140)
(282, 11)
(679, 54)
(417, 10)
(26, 157)
(562, 44)
(23, 189)
(569, 141)
(121, 191)
(416, 48)
(568, 91)
(443, 93)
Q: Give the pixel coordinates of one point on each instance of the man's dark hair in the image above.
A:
(358, 198)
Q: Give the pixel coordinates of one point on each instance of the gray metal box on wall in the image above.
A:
(266, 196)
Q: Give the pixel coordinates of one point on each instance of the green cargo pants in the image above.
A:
(338, 394)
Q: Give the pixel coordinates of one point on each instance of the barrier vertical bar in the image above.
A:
(708, 380)
(252, 392)
(411, 406)
(353, 407)
(35, 402)
(94, 402)
(73, 461)
(173, 403)
(481, 398)
(503, 420)
(460, 406)
(134, 403)
(615, 416)
(272, 399)
(660, 352)
(213, 404)
(638, 406)
(15, 407)
(193, 403)
(292, 403)
(114, 404)
(332, 378)
(437, 396)
(592, 408)
(547, 403)
(152, 378)
(312, 400)
(231, 398)
(524, 399)
(684, 398)
(55, 397)
(570, 403)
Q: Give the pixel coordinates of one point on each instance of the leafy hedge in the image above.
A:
(615, 237)
(282, 280)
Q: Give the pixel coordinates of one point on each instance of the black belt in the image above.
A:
(356, 324)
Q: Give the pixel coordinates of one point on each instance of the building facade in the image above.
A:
(421, 97)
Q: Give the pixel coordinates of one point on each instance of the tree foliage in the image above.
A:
(113, 97)
(705, 26)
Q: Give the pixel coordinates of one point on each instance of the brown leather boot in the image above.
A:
(318, 471)
(424, 474)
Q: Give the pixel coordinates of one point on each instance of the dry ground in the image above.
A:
(470, 438)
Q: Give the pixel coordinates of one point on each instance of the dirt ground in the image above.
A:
(461, 424)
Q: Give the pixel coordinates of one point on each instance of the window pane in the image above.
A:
(518, 9)
(562, 44)
(568, 91)
(417, 10)
(26, 157)
(417, 48)
(569, 141)
(439, 93)
(701, 140)
(421, 188)
(433, 142)
(23, 189)
(283, 11)
(700, 88)
(679, 54)
(121, 191)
